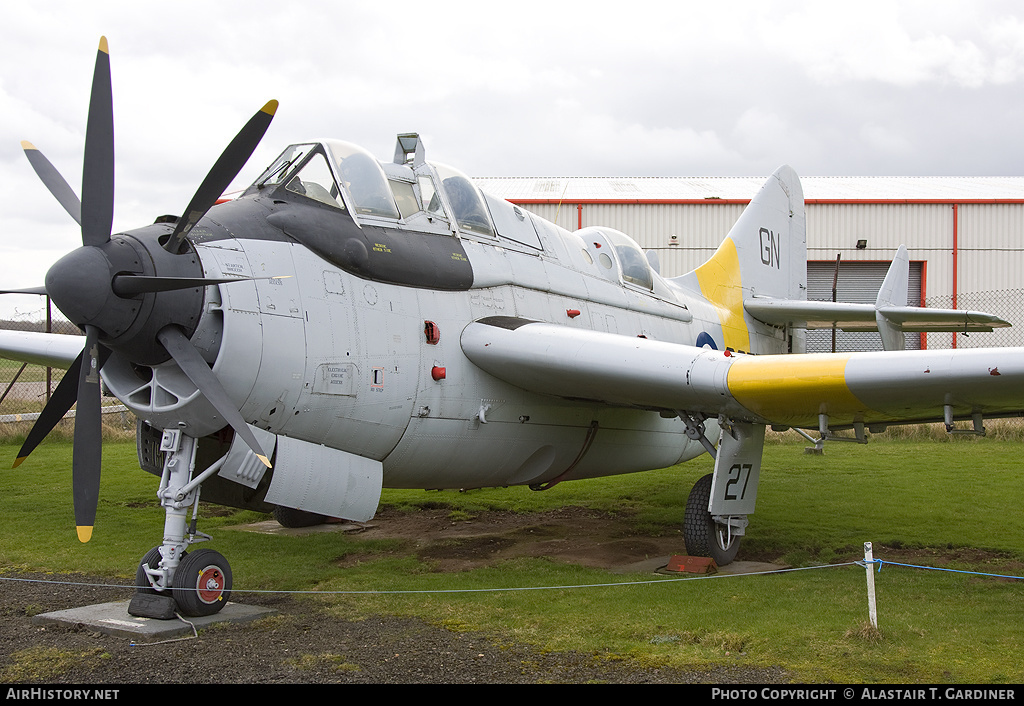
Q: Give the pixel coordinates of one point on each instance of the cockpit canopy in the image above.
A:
(347, 177)
(314, 170)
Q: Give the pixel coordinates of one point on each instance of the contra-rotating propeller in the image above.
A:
(90, 285)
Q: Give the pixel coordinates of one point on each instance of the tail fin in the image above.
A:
(765, 254)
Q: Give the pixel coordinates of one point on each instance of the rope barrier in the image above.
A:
(386, 592)
(667, 579)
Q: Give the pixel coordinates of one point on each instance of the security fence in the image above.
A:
(1007, 304)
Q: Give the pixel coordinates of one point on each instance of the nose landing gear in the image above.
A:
(171, 580)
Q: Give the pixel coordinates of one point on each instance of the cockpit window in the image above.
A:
(281, 166)
(364, 180)
(431, 201)
(467, 205)
(635, 268)
(405, 197)
(315, 181)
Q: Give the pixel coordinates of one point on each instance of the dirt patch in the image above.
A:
(451, 542)
(303, 644)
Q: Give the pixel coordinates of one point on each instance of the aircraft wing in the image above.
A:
(861, 317)
(785, 390)
(51, 349)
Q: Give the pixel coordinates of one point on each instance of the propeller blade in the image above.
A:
(130, 285)
(85, 465)
(98, 168)
(223, 173)
(29, 290)
(60, 402)
(53, 181)
(197, 370)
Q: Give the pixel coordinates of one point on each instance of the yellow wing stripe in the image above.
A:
(794, 389)
(720, 281)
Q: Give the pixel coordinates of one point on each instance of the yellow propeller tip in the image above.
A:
(84, 534)
(266, 461)
(26, 145)
(18, 461)
(103, 45)
(270, 108)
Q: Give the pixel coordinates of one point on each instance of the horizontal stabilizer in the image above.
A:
(889, 315)
(801, 313)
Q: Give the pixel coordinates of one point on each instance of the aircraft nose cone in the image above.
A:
(79, 284)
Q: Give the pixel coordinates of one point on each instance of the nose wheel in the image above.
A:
(202, 583)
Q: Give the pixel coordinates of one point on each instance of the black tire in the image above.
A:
(152, 560)
(202, 583)
(291, 518)
(700, 532)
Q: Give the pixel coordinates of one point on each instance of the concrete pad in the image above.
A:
(113, 619)
(750, 567)
(736, 568)
(272, 527)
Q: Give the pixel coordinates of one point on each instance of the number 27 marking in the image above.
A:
(739, 469)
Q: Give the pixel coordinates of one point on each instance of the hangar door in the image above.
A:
(859, 283)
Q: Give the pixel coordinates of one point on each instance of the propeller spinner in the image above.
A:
(114, 288)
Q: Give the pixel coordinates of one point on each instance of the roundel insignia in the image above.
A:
(704, 339)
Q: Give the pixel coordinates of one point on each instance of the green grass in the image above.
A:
(954, 504)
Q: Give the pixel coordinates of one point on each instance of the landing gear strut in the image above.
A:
(170, 579)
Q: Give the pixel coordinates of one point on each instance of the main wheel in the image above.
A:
(704, 536)
(202, 583)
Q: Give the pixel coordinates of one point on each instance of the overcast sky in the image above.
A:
(555, 88)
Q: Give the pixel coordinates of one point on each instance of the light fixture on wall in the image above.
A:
(861, 244)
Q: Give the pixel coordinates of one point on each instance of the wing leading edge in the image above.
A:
(785, 390)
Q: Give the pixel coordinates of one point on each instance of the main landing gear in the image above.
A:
(170, 579)
(719, 503)
(702, 534)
